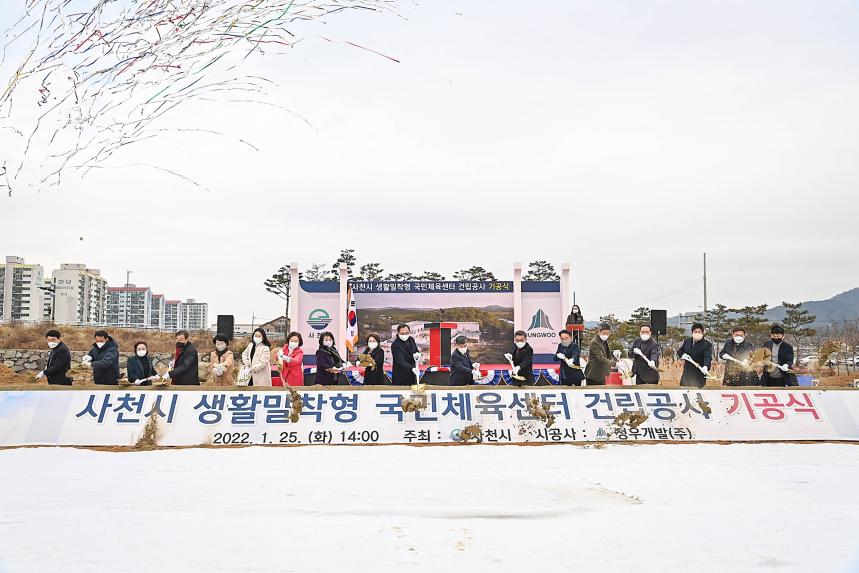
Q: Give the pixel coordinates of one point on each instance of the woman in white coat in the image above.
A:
(257, 356)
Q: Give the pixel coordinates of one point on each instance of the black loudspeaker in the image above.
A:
(226, 325)
(659, 321)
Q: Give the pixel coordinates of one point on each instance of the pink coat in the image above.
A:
(292, 372)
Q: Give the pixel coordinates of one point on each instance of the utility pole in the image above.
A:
(705, 283)
(127, 295)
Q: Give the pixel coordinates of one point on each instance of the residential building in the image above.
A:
(81, 295)
(20, 295)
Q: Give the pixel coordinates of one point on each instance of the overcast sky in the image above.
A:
(623, 137)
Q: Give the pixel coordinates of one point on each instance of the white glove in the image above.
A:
(745, 362)
(508, 356)
(705, 370)
(40, 375)
(561, 355)
(417, 356)
(784, 367)
(475, 374)
(287, 359)
(138, 382)
(616, 354)
(346, 365)
(516, 370)
(637, 351)
(219, 371)
(651, 363)
(569, 362)
(86, 358)
(475, 365)
(166, 376)
(723, 356)
(171, 364)
(686, 357)
(153, 378)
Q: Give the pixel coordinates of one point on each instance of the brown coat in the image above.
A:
(599, 361)
(228, 379)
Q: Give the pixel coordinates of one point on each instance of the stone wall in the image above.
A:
(34, 360)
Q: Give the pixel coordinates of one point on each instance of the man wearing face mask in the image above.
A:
(522, 358)
(405, 356)
(599, 358)
(700, 350)
(462, 369)
(568, 354)
(103, 358)
(736, 353)
(185, 362)
(645, 357)
(782, 358)
(59, 361)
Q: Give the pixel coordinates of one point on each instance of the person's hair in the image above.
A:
(738, 329)
(264, 336)
(101, 333)
(650, 328)
(54, 333)
(372, 335)
(698, 326)
(297, 335)
(184, 333)
(520, 333)
(777, 329)
(220, 338)
(565, 331)
(138, 343)
(401, 326)
(324, 335)
(575, 306)
(604, 326)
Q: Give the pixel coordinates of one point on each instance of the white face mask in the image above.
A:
(520, 344)
(328, 343)
(697, 335)
(462, 349)
(645, 337)
(372, 345)
(293, 345)
(603, 337)
(99, 344)
(403, 337)
(53, 344)
(141, 353)
(258, 339)
(221, 346)
(739, 339)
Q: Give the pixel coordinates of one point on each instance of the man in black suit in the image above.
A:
(59, 360)
(405, 356)
(185, 370)
(522, 358)
(782, 356)
(461, 366)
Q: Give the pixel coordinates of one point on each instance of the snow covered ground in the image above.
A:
(449, 509)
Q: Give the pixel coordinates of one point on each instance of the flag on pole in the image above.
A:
(351, 322)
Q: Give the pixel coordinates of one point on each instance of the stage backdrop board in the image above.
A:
(118, 417)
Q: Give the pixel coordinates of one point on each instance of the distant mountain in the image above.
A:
(844, 306)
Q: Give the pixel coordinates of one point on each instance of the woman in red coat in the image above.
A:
(291, 358)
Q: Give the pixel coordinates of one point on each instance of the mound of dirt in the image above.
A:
(540, 411)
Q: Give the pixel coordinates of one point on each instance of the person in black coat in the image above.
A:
(461, 366)
(59, 360)
(103, 358)
(375, 376)
(522, 358)
(329, 364)
(186, 364)
(782, 356)
(568, 354)
(740, 349)
(405, 355)
(700, 350)
(575, 324)
(646, 361)
(139, 367)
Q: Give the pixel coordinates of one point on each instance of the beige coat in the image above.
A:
(228, 379)
(261, 364)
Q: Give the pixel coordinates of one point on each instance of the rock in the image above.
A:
(9, 354)
(17, 369)
(8, 363)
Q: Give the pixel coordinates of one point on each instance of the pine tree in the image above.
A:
(541, 271)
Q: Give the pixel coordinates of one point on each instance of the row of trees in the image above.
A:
(721, 320)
